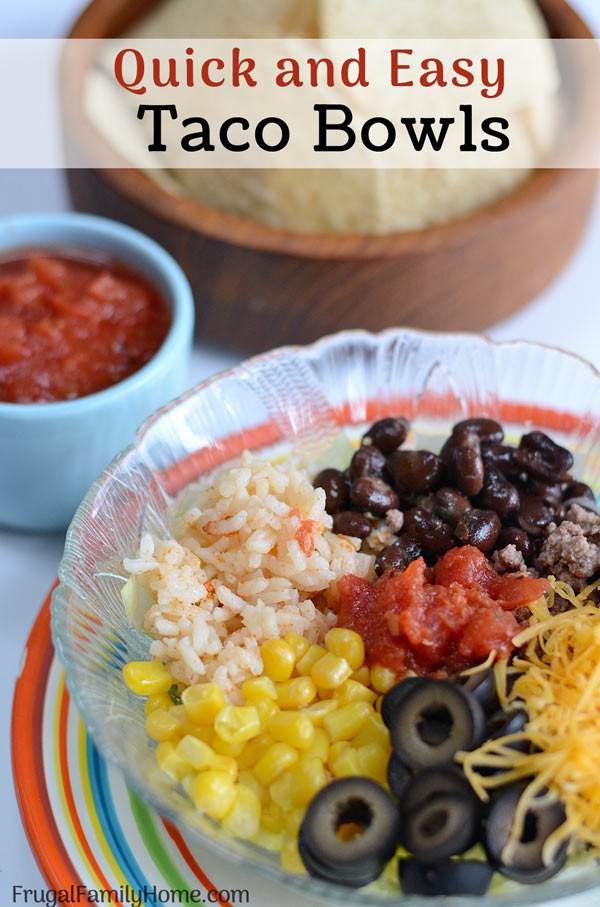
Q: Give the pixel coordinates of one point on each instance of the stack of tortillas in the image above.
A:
(361, 201)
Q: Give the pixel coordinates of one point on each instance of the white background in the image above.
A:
(567, 315)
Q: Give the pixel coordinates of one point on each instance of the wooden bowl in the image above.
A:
(257, 287)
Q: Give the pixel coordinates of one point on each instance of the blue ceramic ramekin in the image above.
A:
(50, 453)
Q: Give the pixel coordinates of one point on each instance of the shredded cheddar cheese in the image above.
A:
(559, 683)
(480, 667)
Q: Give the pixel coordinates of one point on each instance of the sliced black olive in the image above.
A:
(430, 783)
(504, 723)
(525, 864)
(483, 687)
(349, 832)
(441, 827)
(395, 695)
(398, 776)
(448, 877)
(430, 706)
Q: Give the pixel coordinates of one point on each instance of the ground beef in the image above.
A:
(510, 560)
(570, 552)
(589, 520)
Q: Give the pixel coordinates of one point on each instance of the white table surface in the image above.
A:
(568, 315)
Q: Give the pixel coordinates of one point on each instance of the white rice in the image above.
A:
(252, 558)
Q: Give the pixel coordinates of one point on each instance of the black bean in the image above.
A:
(550, 492)
(480, 528)
(578, 490)
(500, 457)
(415, 471)
(487, 430)
(534, 515)
(499, 494)
(542, 458)
(519, 538)
(367, 461)
(350, 522)
(388, 434)
(334, 484)
(398, 555)
(466, 464)
(450, 505)
(429, 531)
(584, 502)
(373, 494)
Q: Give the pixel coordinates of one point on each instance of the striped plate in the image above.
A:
(84, 825)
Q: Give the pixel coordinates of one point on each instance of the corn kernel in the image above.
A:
(266, 708)
(225, 764)
(308, 776)
(272, 818)
(335, 749)
(243, 819)
(278, 659)
(352, 691)
(237, 723)
(278, 758)
(363, 675)
(297, 643)
(347, 763)
(203, 702)
(258, 688)
(319, 748)
(282, 792)
(158, 701)
(178, 712)
(268, 840)
(330, 671)
(247, 779)
(146, 678)
(223, 748)
(161, 725)
(200, 733)
(214, 793)
(296, 693)
(346, 644)
(307, 662)
(187, 782)
(195, 753)
(170, 761)
(373, 731)
(325, 694)
(291, 861)
(292, 820)
(382, 678)
(253, 750)
(373, 760)
(346, 722)
(293, 728)
(318, 710)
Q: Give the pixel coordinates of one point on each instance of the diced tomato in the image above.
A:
(439, 621)
(515, 591)
(305, 536)
(465, 565)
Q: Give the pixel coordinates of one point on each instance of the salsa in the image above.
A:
(439, 620)
(70, 327)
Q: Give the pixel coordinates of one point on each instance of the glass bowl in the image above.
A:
(299, 395)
